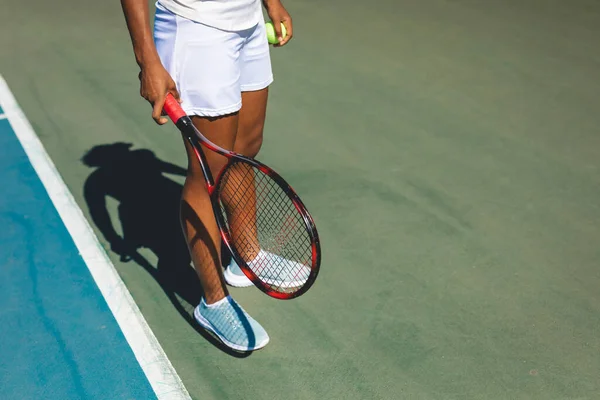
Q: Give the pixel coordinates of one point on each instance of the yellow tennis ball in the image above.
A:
(271, 35)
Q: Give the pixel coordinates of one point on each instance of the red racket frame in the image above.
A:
(196, 139)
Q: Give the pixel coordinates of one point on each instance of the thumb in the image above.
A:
(278, 30)
(157, 109)
(173, 90)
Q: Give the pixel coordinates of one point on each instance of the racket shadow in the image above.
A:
(148, 213)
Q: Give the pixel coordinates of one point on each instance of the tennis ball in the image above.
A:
(271, 36)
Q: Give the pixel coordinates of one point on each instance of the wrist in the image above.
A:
(147, 58)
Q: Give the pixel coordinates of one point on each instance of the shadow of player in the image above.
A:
(148, 211)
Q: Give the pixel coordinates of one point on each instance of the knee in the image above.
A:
(254, 145)
(251, 142)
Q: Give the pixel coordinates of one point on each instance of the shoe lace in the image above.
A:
(232, 319)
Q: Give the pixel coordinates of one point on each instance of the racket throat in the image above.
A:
(208, 178)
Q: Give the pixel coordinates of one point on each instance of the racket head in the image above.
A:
(267, 228)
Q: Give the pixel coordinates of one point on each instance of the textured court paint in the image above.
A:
(461, 261)
(59, 339)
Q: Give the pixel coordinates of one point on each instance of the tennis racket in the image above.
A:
(262, 221)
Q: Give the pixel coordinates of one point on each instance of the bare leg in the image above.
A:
(197, 217)
(251, 123)
(242, 132)
(242, 216)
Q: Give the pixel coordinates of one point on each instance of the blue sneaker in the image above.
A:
(231, 324)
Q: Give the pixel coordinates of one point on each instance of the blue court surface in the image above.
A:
(60, 339)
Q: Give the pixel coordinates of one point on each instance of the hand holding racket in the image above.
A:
(262, 221)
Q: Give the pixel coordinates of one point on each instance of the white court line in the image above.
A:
(158, 369)
(3, 116)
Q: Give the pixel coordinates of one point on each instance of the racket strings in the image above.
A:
(265, 227)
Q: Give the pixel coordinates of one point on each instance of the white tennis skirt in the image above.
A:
(212, 67)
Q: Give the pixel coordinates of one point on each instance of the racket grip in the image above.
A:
(173, 109)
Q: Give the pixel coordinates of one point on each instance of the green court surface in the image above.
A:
(450, 154)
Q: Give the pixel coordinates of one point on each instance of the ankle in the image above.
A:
(211, 298)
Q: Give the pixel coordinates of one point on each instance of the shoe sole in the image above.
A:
(236, 280)
(284, 283)
(241, 282)
(204, 323)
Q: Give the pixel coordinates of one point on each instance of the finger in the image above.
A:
(289, 27)
(287, 22)
(278, 30)
(173, 90)
(157, 109)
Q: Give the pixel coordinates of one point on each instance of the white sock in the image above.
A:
(216, 304)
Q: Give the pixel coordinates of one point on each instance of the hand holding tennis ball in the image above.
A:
(272, 35)
(280, 33)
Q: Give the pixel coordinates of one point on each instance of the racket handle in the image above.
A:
(173, 109)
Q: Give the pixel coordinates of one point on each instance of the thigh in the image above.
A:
(220, 130)
(256, 76)
(251, 122)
